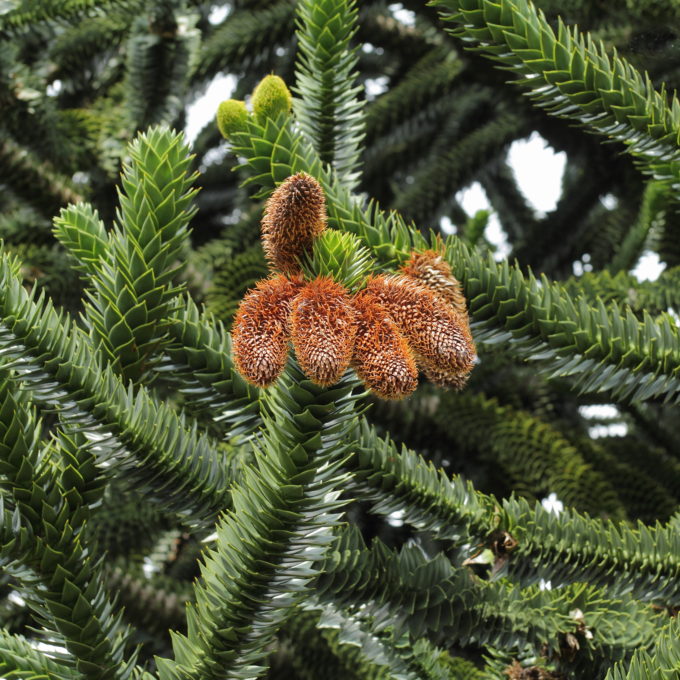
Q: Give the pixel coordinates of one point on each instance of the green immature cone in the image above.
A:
(271, 98)
(232, 116)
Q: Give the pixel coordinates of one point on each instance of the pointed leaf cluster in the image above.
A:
(266, 548)
(329, 111)
(133, 268)
(73, 602)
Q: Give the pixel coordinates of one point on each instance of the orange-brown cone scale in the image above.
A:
(382, 358)
(431, 270)
(261, 331)
(294, 216)
(455, 379)
(323, 329)
(432, 328)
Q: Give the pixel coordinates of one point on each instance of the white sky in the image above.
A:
(203, 110)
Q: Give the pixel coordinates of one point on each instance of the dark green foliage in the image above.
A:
(72, 603)
(160, 55)
(532, 458)
(161, 518)
(27, 177)
(433, 179)
(86, 395)
(453, 606)
(249, 34)
(330, 113)
(232, 280)
(283, 513)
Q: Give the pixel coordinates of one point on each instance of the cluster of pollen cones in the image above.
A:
(387, 330)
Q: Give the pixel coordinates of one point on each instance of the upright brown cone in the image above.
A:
(433, 329)
(261, 330)
(294, 216)
(382, 358)
(323, 329)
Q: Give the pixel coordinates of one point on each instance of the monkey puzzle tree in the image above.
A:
(176, 505)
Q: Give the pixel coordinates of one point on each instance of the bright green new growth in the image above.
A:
(271, 98)
(79, 228)
(232, 116)
(341, 256)
(132, 268)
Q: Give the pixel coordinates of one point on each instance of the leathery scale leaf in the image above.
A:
(155, 209)
(73, 602)
(284, 510)
(61, 370)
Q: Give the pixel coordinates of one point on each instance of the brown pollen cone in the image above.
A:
(323, 328)
(434, 272)
(295, 215)
(382, 357)
(452, 379)
(432, 328)
(261, 330)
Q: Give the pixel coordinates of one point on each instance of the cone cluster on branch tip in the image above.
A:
(394, 325)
